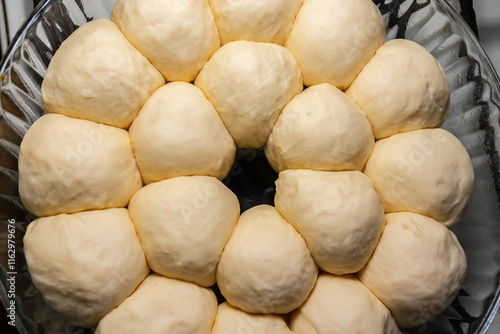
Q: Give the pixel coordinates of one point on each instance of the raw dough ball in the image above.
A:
(68, 165)
(266, 266)
(255, 20)
(402, 88)
(178, 133)
(97, 75)
(85, 264)
(162, 305)
(337, 213)
(333, 39)
(177, 36)
(321, 129)
(339, 305)
(416, 269)
(183, 224)
(249, 83)
(424, 171)
(230, 320)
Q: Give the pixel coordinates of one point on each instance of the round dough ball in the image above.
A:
(230, 320)
(266, 266)
(416, 269)
(249, 83)
(251, 20)
(402, 88)
(179, 133)
(85, 264)
(162, 305)
(183, 224)
(337, 213)
(68, 165)
(333, 39)
(97, 75)
(424, 171)
(177, 36)
(339, 305)
(321, 129)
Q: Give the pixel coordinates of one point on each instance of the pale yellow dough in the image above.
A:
(249, 83)
(321, 129)
(179, 133)
(162, 305)
(266, 266)
(416, 269)
(177, 36)
(98, 75)
(337, 213)
(68, 165)
(85, 264)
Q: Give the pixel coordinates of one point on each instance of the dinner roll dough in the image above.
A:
(230, 320)
(183, 224)
(162, 305)
(266, 266)
(178, 133)
(321, 129)
(177, 36)
(97, 75)
(85, 264)
(424, 171)
(416, 269)
(337, 213)
(68, 165)
(255, 20)
(339, 305)
(402, 88)
(333, 39)
(249, 83)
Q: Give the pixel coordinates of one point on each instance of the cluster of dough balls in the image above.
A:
(144, 115)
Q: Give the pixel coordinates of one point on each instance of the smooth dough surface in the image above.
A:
(339, 305)
(177, 36)
(98, 75)
(68, 165)
(416, 269)
(337, 213)
(85, 264)
(183, 224)
(423, 171)
(249, 83)
(179, 133)
(255, 20)
(402, 88)
(320, 129)
(266, 266)
(333, 39)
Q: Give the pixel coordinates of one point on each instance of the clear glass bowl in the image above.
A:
(474, 119)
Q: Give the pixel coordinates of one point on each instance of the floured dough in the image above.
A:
(321, 129)
(183, 224)
(97, 75)
(339, 305)
(68, 165)
(416, 269)
(337, 213)
(255, 20)
(162, 305)
(402, 88)
(177, 36)
(85, 264)
(266, 266)
(249, 83)
(424, 171)
(333, 39)
(178, 133)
